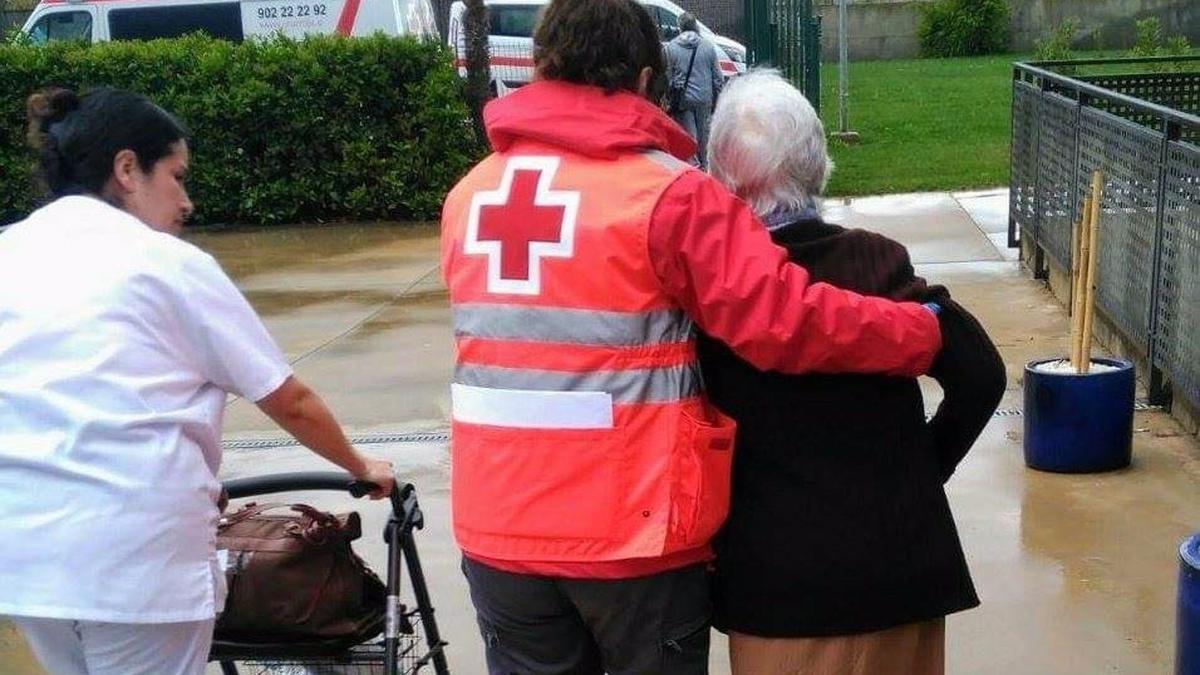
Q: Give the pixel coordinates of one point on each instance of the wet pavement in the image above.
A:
(1076, 573)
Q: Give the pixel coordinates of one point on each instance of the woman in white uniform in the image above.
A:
(118, 345)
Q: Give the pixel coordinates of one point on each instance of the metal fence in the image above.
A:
(1142, 130)
(786, 34)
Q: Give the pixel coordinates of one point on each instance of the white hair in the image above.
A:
(767, 144)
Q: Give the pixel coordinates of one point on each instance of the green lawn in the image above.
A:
(924, 124)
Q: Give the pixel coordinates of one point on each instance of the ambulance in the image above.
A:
(104, 20)
(510, 39)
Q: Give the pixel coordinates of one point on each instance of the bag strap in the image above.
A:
(687, 78)
(320, 518)
(249, 511)
(253, 510)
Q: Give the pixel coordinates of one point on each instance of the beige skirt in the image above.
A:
(911, 649)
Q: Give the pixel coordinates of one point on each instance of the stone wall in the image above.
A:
(878, 29)
(13, 18)
(1111, 21)
(887, 29)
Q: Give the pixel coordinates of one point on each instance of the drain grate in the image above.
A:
(1138, 406)
(356, 439)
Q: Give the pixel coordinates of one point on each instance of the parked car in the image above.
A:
(103, 20)
(510, 40)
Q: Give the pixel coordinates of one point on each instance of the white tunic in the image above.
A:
(118, 345)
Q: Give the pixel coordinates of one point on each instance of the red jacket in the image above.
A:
(714, 260)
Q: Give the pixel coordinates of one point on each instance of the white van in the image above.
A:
(510, 41)
(103, 20)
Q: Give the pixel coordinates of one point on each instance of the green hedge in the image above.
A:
(964, 27)
(282, 131)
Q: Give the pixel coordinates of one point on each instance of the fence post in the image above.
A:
(813, 83)
(843, 67)
(1012, 149)
(1081, 100)
(1159, 391)
(1040, 270)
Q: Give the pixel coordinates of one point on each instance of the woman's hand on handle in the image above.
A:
(380, 473)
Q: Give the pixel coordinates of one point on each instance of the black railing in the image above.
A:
(1137, 121)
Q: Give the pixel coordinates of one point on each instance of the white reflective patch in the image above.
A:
(531, 409)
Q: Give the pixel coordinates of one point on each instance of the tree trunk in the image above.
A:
(479, 89)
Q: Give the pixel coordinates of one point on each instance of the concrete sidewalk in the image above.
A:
(1076, 573)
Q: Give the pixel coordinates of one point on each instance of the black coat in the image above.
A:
(839, 522)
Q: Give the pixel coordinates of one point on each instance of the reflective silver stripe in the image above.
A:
(650, 385)
(666, 160)
(571, 326)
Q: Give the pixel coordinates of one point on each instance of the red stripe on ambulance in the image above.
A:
(518, 61)
(345, 22)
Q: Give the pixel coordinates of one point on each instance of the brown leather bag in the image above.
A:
(294, 576)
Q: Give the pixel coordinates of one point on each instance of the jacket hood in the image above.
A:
(688, 40)
(583, 119)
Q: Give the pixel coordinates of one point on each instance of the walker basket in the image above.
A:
(409, 641)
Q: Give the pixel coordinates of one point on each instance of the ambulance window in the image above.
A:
(668, 23)
(513, 20)
(62, 26)
(220, 20)
(420, 21)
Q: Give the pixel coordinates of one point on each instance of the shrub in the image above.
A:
(964, 27)
(1149, 38)
(282, 131)
(1152, 40)
(1177, 46)
(1057, 45)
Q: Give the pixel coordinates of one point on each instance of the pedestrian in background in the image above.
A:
(116, 356)
(695, 82)
(840, 555)
(589, 472)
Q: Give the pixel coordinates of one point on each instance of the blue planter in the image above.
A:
(1187, 640)
(1079, 423)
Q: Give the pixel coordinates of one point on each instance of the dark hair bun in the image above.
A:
(47, 107)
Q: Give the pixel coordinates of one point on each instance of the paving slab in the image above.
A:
(988, 209)
(934, 226)
(393, 367)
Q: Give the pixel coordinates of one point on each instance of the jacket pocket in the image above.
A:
(703, 463)
(540, 483)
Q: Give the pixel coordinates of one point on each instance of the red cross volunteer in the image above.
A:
(589, 472)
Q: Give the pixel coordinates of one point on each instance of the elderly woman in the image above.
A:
(840, 555)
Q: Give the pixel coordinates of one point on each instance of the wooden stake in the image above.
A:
(1089, 307)
(1078, 236)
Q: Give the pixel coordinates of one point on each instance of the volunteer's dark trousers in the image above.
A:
(655, 625)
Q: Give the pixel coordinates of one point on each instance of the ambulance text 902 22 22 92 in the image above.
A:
(292, 11)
